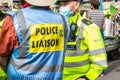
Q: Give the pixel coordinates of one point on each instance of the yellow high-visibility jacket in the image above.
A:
(86, 55)
(3, 75)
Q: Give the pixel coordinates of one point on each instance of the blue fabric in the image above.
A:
(36, 16)
(103, 72)
(101, 5)
(102, 33)
(119, 31)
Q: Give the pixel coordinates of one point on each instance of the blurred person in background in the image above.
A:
(117, 21)
(6, 5)
(96, 15)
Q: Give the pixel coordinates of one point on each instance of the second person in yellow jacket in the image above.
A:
(85, 58)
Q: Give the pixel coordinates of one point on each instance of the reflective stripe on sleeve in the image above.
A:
(79, 53)
(102, 63)
(76, 64)
(80, 36)
(36, 68)
(97, 52)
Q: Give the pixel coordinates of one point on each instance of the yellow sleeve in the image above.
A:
(3, 75)
(97, 53)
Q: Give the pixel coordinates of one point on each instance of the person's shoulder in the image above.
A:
(86, 21)
(8, 17)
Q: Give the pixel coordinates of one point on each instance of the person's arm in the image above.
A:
(97, 53)
(8, 41)
(88, 15)
(116, 29)
(104, 24)
(8, 37)
(117, 23)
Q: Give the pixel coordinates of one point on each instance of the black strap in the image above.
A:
(24, 32)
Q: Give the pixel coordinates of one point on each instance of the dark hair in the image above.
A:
(95, 3)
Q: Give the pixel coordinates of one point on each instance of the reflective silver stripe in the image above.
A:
(44, 68)
(24, 32)
(80, 36)
(22, 24)
(101, 63)
(34, 68)
(97, 52)
(76, 64)
(65, 28)
(78, 53)
(24, 77)
(65, 25)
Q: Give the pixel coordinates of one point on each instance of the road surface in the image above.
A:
(113, 71)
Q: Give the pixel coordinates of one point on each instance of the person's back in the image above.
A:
(40, 54)
(97, 16)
